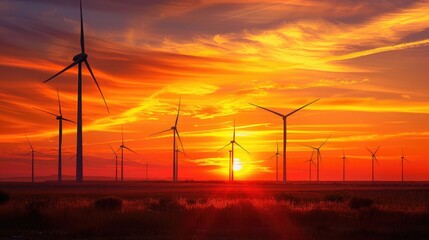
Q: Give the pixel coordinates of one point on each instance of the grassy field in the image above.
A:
(214, 210)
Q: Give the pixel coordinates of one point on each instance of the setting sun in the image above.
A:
(237, 164)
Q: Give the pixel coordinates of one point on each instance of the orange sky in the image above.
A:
(366, 60)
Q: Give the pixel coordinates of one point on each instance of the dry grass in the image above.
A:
(232, 215)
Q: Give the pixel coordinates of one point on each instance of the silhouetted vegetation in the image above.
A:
(358, 203)
(334, 197)
(243, 215)
(108, 203)
(4, 197)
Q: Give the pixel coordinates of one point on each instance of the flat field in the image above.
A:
(214, 210)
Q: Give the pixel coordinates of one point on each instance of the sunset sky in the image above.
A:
(367, 61)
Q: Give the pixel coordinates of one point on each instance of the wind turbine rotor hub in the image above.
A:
(81, 57)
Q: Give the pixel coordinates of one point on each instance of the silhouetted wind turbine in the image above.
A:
(374, 158)
(32, 159)
(175, 131)
(318, 156)
(230, 165)
(232, 143)
(277, 154)
(78, 60)
(344, 166)
(177, 160)
(122, 147)
(60, 119)
(402, 163)
(116, 162)
(310, 161)
(284, 117)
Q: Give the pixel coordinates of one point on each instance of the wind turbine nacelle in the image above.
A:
(59, 117)
(80, 57)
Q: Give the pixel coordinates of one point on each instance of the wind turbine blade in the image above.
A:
(324, 142)
(68, 120)
(266, 109)
(277, 147)
(180, 140)
(223, 147)
(27, 154)
(320, 156)
(310, 147)
(160, 132)
(242, 148)
(402, 148)
(112, 150)
(302, 107)
(178, 112)
(376, 160)
(233, 135)
(271, 157)
(376, 150)
(45, 111)
(32, 149)
(82, 39)
(370, 151)
(130, 149)
(96, 83)
(59, 103)
(65, 69)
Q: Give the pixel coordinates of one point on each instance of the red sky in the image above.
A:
(365, 60)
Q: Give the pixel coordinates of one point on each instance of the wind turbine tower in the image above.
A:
(78, 60)
(284, 117)
(122, 147)
(116, 163)
(374, 159)
(276, 155)
(344, 166)
(232, 143)
(175, 131)
(318, 157)
(310, 161)
(32, 159)
(60, 119)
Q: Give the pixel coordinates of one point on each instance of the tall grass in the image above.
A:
(329, 216)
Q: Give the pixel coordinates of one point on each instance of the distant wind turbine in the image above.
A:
(232, 143)
(32, 159)
(177, 160)
(344, 166)
(122, 147)
(284, 117)
(116, 162)
(60, 119)
(402, 163)
(318, 157)
(78, 60)
(277, 154)
(374, 158)
(175, 131)
(310, 161)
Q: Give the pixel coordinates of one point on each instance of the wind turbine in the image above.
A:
(177, 160)
(277, 154)
(78, 60)
(310, 161)
(344, 166)
(60, 119)
(230, 165)
(402, 163)
(175, 131)
(32, 159)
(122, 147)
(232, 143)
(116, 161)
(318, 156)
(374, 158)
(284, 117)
